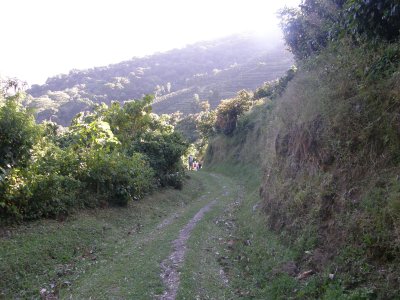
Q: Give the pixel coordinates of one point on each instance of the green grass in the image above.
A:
(254, 258)
(254, 254)
(134, 269)
(255, 262)
(201, 276)
(58, 256)
(116, 253)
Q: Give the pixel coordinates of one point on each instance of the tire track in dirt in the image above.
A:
(171, 265)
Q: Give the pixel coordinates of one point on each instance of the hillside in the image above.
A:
(298, 198)
(211, 71)
(328, 149)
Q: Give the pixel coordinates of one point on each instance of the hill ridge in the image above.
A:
(213, 70)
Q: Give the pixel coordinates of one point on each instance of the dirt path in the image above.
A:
(173, 253)
(174, 262)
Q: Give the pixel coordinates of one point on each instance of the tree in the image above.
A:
(18, 132)
(309, 28)
(130, 121)
(12, 86)
(164, 151)
(205, 121)
(229, 111)
(374, 19)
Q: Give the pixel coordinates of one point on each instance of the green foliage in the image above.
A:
(45, 188)
(164, 152)
(108, 157)
(18, 133)
(141, 131)
(198, 128)
(132, 129)
(374, 19)
(309, 28)
(96, 135)
(116, 178)
(316, 23)
(229, 111)
(130, 121)
(385, 64)
(206, 123)
(274, 89)
(174, 77)
(187, 126)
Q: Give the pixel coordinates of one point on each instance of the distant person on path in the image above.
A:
(200, 164)
(190, 162)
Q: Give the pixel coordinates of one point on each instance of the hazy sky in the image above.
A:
(42, 38)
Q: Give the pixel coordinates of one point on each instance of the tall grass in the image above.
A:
(329, 150)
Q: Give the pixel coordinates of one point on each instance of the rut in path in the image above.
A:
(170, 266)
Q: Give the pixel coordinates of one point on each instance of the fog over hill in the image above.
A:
(211, 70)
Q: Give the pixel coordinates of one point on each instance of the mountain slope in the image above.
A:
(208, 70)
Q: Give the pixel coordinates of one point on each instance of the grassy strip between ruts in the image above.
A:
(116, 253)
(249, 255)
(202, 276)
(133, 269)
(52, 256)
(252, 255)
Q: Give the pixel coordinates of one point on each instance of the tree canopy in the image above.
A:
(111, 156)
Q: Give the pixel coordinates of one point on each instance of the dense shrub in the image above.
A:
(274, 89)
(375, 20)
(115, 177)
(310, 28)
(164, 152)
(188, 127)
(45, 173)
(229, 111)
(47, 187)
(141, 131)
(18, 133)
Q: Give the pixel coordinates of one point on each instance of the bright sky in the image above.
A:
(42, 38)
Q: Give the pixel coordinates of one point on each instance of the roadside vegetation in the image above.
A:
(329, 149)
(209, 70)
(109, 157)
(308, 200)
(48, 258)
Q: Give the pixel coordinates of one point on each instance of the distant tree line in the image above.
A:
(166, 74)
